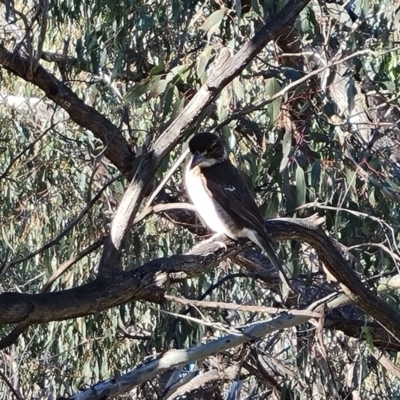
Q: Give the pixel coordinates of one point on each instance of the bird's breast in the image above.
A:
(209, 210)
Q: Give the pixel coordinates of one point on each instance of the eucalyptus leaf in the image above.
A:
(213, 22)
(339, 13)
(301, 186)
(286, 149)
(137, 91)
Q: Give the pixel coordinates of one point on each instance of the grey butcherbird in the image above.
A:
(222, 198)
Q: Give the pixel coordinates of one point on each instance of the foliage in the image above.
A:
(327, 144)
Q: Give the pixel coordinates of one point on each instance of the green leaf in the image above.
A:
(103, 58)
(315, 174)
(308, 22)
(178, 73)
(351, 94)
(117, 67)
(270, 208)
(351, 183)
(300, 186)
(286, 147)
(238, 89)
(213, 22)
(156, 70)
(135, 92)
(5, 238)
(274, 108)
(203, 60)
(223, 104)
(168, 98)
(372, 199)
(339, 13)
(178, 105)
(158, 86)
(368, 336)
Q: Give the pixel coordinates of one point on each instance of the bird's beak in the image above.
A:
(197, 158)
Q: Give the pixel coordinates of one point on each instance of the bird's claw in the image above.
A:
(212, 240)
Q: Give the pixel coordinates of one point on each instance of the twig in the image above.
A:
(68, 229)
(44, 5)
(291, 85)
(184, 311)
(240, 307)
(10, 386)
(13, 335)
(166, 178)
(22, 152)
(66, 265)
(158, 208)
(353, 212)
(385, 362)
(379, 245)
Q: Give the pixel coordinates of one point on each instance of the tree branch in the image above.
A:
(150, 281)
(176, 358)
(330, 254)
(116, 150)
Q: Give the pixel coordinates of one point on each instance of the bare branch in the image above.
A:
(10, 386)
(148, 282)
(350, 283)
(176, 358)
(159, 208)
(241, 307)
(166, 178)
(392, 368)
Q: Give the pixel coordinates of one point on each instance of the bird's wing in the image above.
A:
(236, 199)
(231, 192)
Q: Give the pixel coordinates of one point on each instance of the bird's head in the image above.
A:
(207, 150)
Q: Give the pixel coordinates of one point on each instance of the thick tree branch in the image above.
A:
(176, 358)
(331, 255)
(150, 281)
(334, 261)
(116, 150)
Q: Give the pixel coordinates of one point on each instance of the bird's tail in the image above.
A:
(265, 243)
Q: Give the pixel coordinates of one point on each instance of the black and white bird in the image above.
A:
(222, 197)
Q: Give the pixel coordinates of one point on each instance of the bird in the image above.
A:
(222, 198)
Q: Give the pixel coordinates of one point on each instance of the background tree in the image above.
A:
(103, 293)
